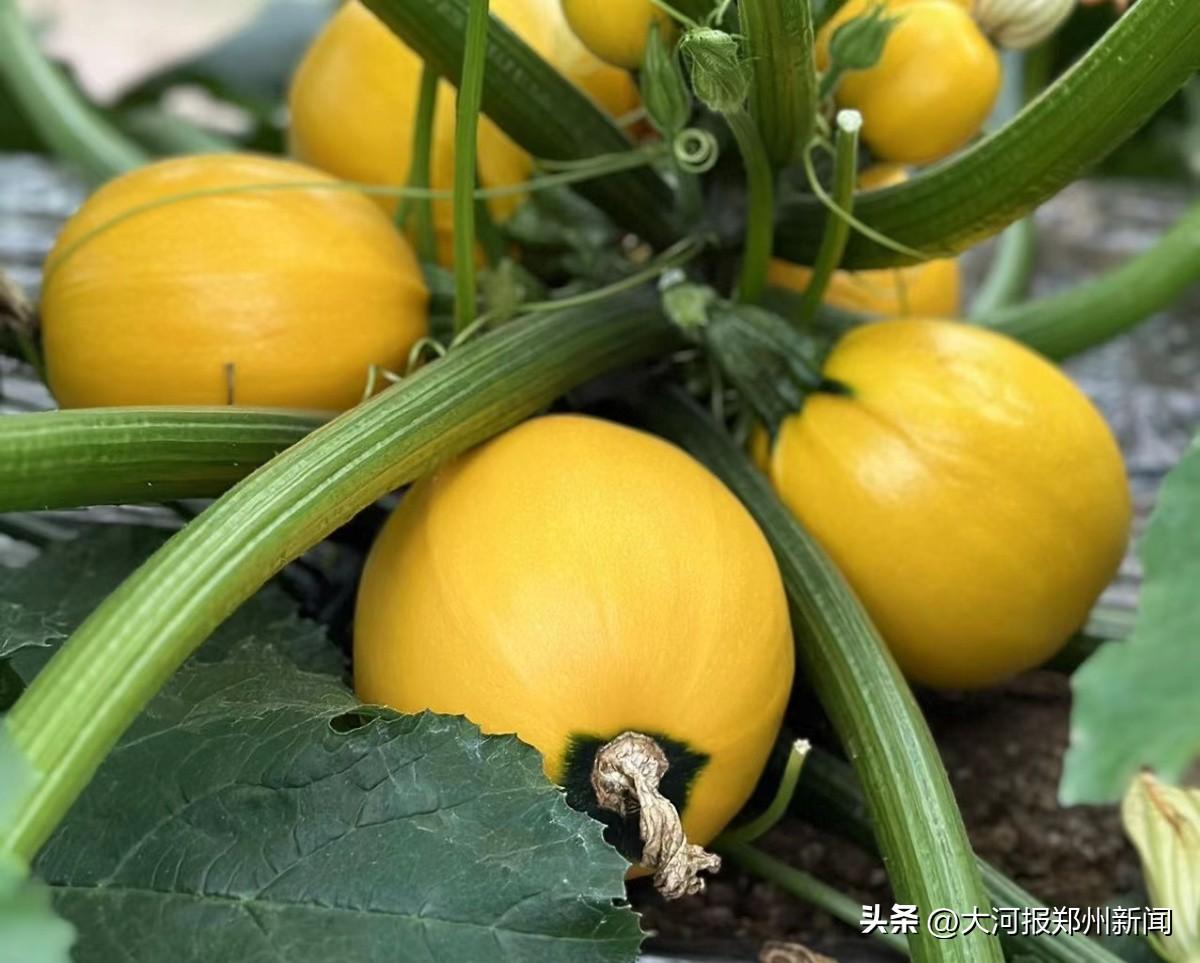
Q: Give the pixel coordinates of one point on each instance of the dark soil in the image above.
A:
(1003, 750)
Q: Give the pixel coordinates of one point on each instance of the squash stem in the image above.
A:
(1065, 324)
(806, 887)
(779, 40)
(760, 215)
(780, 803)
(70, 127)
(920, 831)
(470, 95)
(837, 224)
(96, 684)
(420, 207)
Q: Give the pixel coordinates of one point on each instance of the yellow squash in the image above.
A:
(616, 30)
(972, 495)
(932, 89)
(571, 580)
(279, 297)
(354, 102)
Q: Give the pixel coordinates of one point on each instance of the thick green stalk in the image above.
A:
(920, 831)
(419, 172)
(470, 93)
(760, 202)
(829, 796)
(837, 230)
(538, 108)
(783, 96)
(72, 129)
(92, 689)
(1086, 113)
(806, 887)
(1065, 324)
(69, 459)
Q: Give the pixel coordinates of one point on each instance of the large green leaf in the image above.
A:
(256, 811)
(1136, 701)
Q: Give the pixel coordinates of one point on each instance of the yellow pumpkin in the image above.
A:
(932, 89)
(971, 494)
(572, 580)
(616, 30)
(354, 103)
(282, 298)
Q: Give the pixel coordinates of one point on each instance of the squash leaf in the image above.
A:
(1135, 701)
(256, 811)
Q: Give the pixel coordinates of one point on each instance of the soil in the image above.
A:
(1003, 751)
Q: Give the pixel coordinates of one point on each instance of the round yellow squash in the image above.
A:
(280, 298)
(932, 89)
(572, 580)
(971, 494)
(354, 98)
(616, 30)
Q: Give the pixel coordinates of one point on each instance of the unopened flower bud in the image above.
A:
(719, 73)
(664, 91)
(858, 44)
(1021, 24)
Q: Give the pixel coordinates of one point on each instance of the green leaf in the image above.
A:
(29, 930)
(264, 814)
(257, 811)
(1135, 701)
(41, 604)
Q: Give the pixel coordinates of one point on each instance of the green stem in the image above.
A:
(105, 673)
(762, 824)
(925, 846)
(829, 797)
(470, 94)
(804, 886)
(1011, 270)
(783, 99)
(72, 129)
(69, 459)
(418, 175)
(837, 229)
(1065, 324)
(164, 133)
(760, 217)
(538, 108)
(1086, 113)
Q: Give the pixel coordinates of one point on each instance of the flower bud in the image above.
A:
(664, 91)
(1020, 24)
(719, 74)
(1164, 823)
(858, 44)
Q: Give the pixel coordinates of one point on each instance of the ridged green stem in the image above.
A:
(829, 796)
(778, 35)
(760, 203)
(538, 108)
(71, 128)
(1086, 113)
(68, 459)
(925, 847)
(837, 230)
(1065, 324)
(470, 92)
(94, 686)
